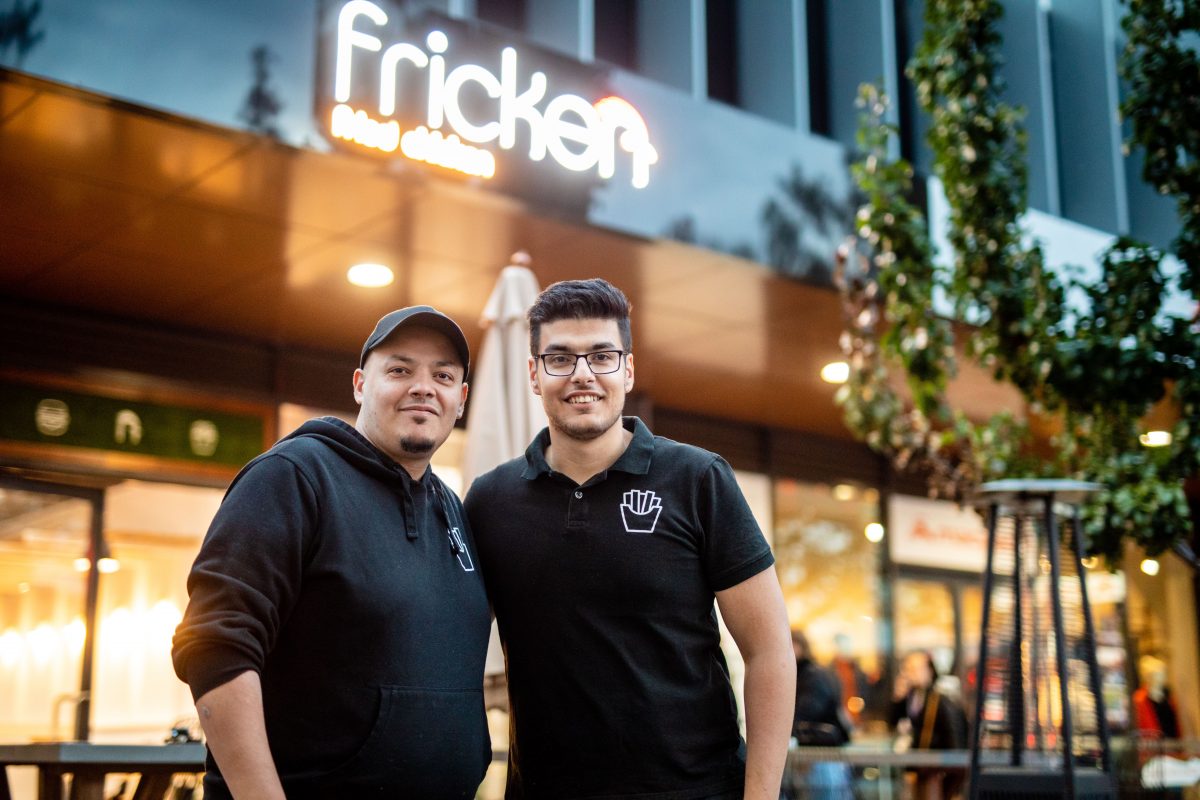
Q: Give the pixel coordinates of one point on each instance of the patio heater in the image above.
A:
(1040, 727)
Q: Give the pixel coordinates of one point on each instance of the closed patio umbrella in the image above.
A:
(505, 414)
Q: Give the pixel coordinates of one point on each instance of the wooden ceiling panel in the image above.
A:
(735, 292)
(13, 97)
(65, 210)
(211, 241)
(445, 225)
(252, 309)
(455, 288)
(88, 138)
(24, 255)
(327, 192)
(337, 319)
(110, 282)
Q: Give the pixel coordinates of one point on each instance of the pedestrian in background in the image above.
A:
(820, 720)
(929, 720)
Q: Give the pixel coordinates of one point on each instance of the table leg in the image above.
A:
(50, 783)
(152, 786)
(87, 784)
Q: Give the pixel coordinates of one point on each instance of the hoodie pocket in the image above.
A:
(426, 743)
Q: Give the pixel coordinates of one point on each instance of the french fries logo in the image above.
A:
(640, 511)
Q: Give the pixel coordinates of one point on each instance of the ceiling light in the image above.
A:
(1150, 566)
(835, 372)
(82, 564)
(874, 532)
(108, 565)
(1155, 438)
(369, 275)
(844, 492)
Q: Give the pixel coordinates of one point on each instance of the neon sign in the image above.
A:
(577, 134)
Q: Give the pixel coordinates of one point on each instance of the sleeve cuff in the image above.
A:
(206, 668)
(742, 572)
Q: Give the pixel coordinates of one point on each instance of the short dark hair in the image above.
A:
(801, 643)
(927, 657)
(594, 298)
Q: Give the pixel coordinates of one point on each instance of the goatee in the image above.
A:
(416, 447)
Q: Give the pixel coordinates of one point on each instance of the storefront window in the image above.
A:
(43, 544)
(1107, 596)
(828, 563)
(153, 531)
(151, 534)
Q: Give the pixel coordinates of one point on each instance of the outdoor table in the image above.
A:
(90, 763)
(891, 765)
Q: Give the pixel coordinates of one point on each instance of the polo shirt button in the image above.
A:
(578, 495)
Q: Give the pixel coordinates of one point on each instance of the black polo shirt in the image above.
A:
(604, 597)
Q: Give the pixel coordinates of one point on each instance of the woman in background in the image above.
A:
(933, 720)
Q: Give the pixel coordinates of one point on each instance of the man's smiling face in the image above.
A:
(411, 391)
(582, 405)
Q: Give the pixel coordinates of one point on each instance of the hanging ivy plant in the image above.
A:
(1094, 367)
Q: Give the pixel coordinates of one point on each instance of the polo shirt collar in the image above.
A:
(635, 460)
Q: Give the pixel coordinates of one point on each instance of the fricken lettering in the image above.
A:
(577, 134)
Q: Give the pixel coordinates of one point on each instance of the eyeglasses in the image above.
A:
(601, 362)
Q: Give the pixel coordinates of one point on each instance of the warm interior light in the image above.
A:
(844, 492)
(82, 564)
(1155, 438)
(835, 372)
(873, 532)
(1091, 562)
(108, 565)
(1150, 566)
(73, 634)
(369, 275)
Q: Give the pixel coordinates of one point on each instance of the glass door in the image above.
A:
(48, 585)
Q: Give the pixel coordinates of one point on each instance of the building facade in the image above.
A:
(185, 184)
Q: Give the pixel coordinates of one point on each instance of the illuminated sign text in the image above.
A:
(577, 134)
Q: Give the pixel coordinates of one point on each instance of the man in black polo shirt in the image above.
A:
(603, 549)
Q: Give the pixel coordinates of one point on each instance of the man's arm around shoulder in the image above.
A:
(236, 735)
(755, 614)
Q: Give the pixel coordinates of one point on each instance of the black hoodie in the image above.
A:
(353, 591)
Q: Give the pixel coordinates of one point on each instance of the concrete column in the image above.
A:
(567, 26)
(856, 54)
(668, 35)
(1027, 72)
(1083, 39)
(767, 57)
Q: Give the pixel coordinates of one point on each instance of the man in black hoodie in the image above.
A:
(337, 625)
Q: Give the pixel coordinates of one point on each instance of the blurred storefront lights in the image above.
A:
(835, 372)
(370, 275)
(1155, 438)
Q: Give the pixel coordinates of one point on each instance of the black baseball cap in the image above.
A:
(419, 316)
